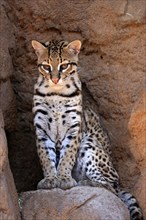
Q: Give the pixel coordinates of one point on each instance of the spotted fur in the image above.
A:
(72, 145)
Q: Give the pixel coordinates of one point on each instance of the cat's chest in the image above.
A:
(62, 114)
(61, 110)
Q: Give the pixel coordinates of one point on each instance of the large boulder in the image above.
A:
(78, 203)
(8, 197)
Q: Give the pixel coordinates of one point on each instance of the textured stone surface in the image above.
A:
(7, 98)
(8, 197)
(112, 64)
(78, 203)
(8, 105)
(137, 128)
(7, 42)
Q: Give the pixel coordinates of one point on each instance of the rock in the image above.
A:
(7, 98)
(133, 12)
(140, 190)
(8, 105)
(7, 39)
(8, 197)
(78, 203)
(137, 129)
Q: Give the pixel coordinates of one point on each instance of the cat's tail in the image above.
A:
(132, 204)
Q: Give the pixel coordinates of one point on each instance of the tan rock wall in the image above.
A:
(7, 98)
(7, 42)
(112, 64)
(137, 128)
(8, 104)
(8, 197)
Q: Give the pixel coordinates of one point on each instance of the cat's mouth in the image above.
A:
(56, 83)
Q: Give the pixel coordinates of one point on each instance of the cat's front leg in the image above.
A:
(69, 149)
(47, 155)
(46, 148)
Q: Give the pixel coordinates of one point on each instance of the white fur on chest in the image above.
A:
(62, 121)
(62, 108)
(62, 113)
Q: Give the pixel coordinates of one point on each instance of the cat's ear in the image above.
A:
(38, 47)
(74, 47)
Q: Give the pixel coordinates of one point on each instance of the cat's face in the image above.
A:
(57, 60)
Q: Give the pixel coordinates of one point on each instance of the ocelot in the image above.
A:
(71, 143)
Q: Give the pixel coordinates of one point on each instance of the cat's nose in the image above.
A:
(55, 80)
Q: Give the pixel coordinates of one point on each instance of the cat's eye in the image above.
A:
(63, 66)
(46, 67)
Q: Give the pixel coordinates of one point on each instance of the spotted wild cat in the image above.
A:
(71, 143)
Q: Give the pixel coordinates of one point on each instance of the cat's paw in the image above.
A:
(48, 183)
(66, 182)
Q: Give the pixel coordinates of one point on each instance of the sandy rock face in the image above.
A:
(78, 203)
(8, 104)
(7, 98)
(8, 197)
(137, 128)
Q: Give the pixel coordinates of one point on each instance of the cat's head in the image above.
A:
(57, 60)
